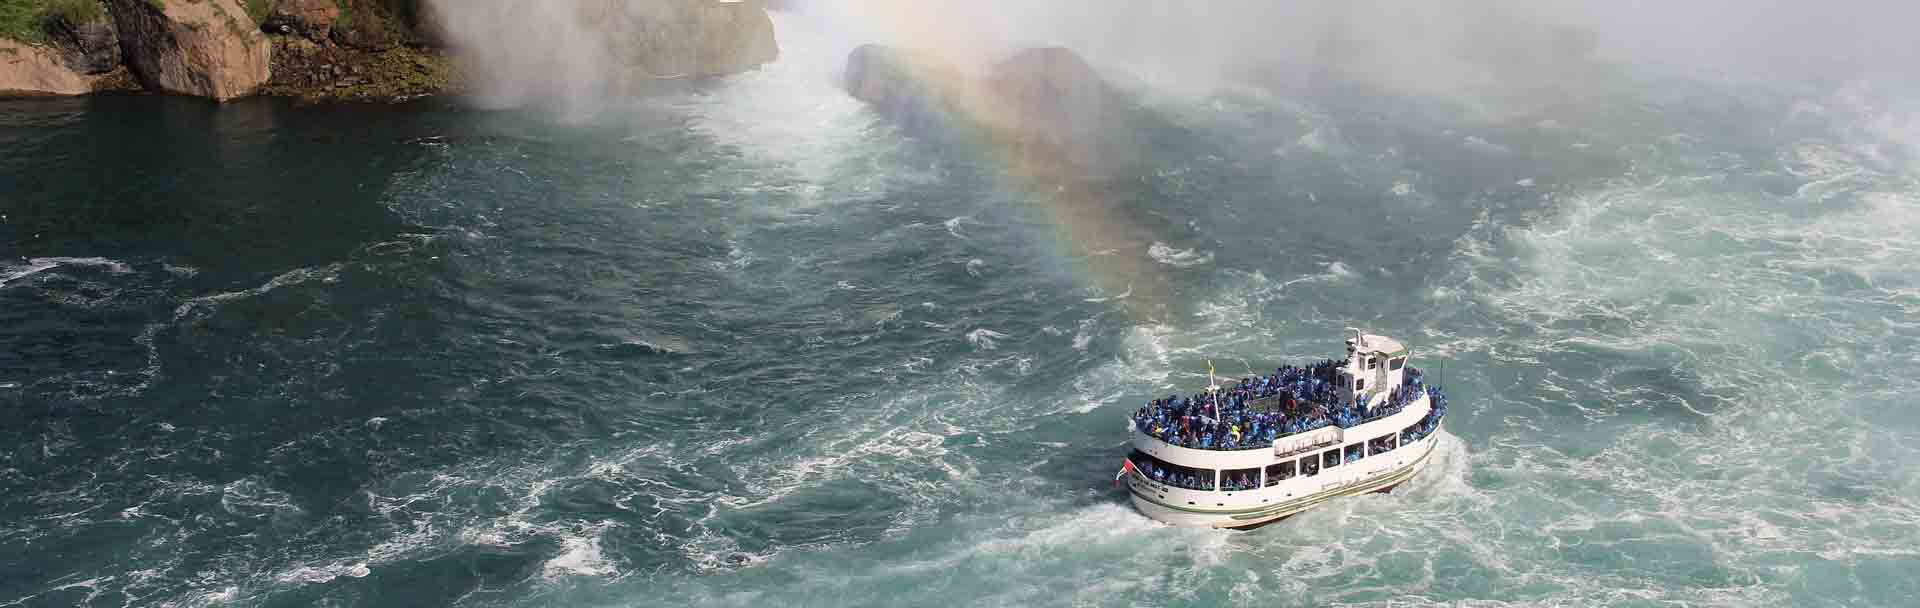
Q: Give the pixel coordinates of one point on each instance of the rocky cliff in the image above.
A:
(206, 48)
(65, 52)
(31, 69)
(915, 90)
(342, 49)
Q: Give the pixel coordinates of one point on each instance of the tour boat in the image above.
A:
(1266, 447)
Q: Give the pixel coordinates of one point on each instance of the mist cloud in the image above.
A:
(1424, 46)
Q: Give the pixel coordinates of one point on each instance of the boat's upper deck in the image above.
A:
(1252, 413)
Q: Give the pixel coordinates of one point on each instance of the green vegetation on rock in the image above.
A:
(20, 20)
(26, 20)
(259, 9)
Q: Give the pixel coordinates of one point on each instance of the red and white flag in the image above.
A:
(1126, 466)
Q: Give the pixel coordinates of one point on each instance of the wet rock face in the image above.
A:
(1052, 98)
(206, 48)
(312, 19)
(1047, 105)
(87, 48)
(903, 87)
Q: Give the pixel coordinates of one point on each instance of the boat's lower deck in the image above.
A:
(1275, 502)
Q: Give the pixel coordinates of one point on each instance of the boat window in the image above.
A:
(1355, 452)
(1330, 458)
(1172, 474)
(1278, 472)
(1360, 384)
(1381, 444)
(1396, 363)
(1310, 466)
(1234, 480)
(1373, 363)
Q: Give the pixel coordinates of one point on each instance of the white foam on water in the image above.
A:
(1120, 296)
(580, 555)
(1083, 334)
(1336, 270)
(1179, 258)
(984, 339)
(792, 114)
(251, 497)
(976, 267)
(953, 226)
(316, 575)
(10, 273)
(14, 272)
(193, 310)
(198, 308)
(1722, 291)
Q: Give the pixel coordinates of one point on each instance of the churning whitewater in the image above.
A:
(751, 344)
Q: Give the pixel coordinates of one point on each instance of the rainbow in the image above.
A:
(1061, 173)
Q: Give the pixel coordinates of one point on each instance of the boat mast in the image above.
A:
(1213, 389)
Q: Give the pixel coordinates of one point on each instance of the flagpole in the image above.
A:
(1213, 389)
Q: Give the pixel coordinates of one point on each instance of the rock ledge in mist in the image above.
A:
(1047, 106)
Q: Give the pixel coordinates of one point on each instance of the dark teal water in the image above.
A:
(749, 345)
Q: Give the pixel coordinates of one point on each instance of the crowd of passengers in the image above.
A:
(1179, 478)
(1202, 480)
(1233, 482)
(1381, 445)
(1426, 426)
(1307, 399)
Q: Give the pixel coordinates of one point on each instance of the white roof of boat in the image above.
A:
(1370, 343)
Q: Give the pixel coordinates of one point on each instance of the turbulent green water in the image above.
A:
(749, 345)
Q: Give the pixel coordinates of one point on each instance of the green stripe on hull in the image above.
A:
(1304, 502)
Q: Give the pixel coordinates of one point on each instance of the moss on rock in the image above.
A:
(326, 72)
(27, 20)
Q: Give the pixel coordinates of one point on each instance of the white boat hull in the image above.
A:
(1251, 508)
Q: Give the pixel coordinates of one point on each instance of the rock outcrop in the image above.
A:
(91, 47)
(208, 48)
(312, 19)
(80, 54)
(915, 91)
(1046, 105)
(1055, 103)
(38, 70)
